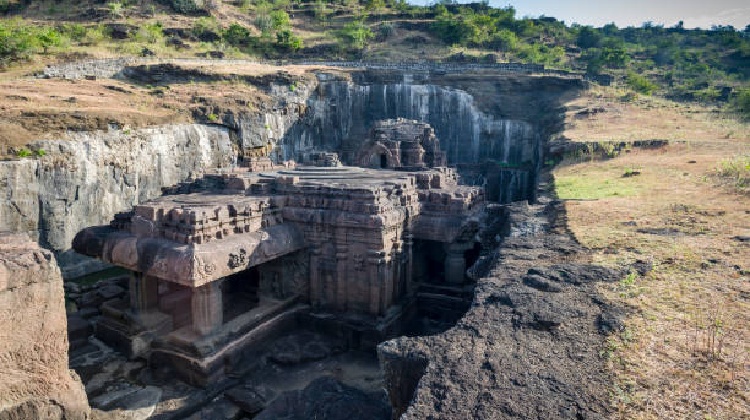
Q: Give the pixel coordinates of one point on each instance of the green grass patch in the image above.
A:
(595, 186)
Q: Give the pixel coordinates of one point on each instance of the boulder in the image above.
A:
(35, 381)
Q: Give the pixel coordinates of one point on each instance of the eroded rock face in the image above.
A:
(35, 382)
(527, 348)
(86, 180)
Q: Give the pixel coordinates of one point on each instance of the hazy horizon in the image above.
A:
(694, 13)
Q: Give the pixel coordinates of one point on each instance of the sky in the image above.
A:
(694, 13)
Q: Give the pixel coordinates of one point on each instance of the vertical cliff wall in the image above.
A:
(498, 123)
(86, 179)
(35, 382)
(342, 112)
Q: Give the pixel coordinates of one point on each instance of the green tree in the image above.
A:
(286, 40)
(18, 40)
(236, 35)
(588, 37)
(614, 57)
(504, 40)
(354, 35)
(454, 29)
(48, 37)
(279, 19)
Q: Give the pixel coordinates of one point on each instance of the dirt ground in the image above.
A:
(685, 208)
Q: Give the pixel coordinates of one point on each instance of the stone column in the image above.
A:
(342, 261)
(315, 280)
(144, 293)
(455, 263)
(409, 255)
(375, 273)
(397, 258)
(207, 308)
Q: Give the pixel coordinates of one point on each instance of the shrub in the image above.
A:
(588, 37)
(206, 28)
(736, 171)
(18, 40)
(454, 30)
(184, 6)
(23, 153)
(191, 7)
(263, 22)
(279, 19)
(386, 30)
(74, 31)
(151, 33)
(115, 10)
(640, 83)
(285, 39)
(236, 35)
(740, 102)
(96, 34)
(504, 40)
(354, 35)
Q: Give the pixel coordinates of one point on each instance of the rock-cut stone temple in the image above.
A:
(224, 264)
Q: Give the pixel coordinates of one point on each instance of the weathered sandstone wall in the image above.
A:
(86, 179)
(35, 382)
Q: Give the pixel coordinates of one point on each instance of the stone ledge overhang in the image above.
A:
(446, 228)
(190, 265)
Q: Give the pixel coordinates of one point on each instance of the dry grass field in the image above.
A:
(684, 208)
(33, 109)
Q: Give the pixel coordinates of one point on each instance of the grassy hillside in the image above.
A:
(707, 66)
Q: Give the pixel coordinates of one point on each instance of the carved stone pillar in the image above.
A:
(386, 281)
(342, 261)
(315, 280)
(409, 274)
(207, 308)
(144, 293)
(397, 258)
(375, 270)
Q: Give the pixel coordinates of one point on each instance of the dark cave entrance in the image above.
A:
(429, 262)
(439, 303)
(240, 293)
(383, 161)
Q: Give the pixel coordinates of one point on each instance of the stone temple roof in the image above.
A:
(242, 219)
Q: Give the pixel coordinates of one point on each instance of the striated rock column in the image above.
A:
(207, 307)
(35, 382)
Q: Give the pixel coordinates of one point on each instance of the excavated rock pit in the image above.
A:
(512, 330)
